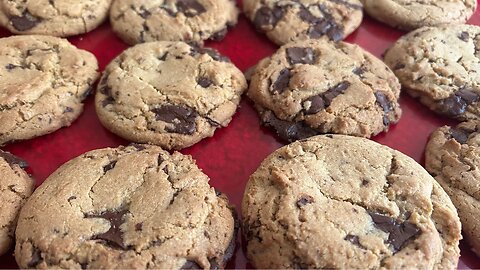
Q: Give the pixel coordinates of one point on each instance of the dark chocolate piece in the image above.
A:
(322, 101)
(114, 236)
(399, 232)
(282, 82)
(13, 160)
(297, 55)
(304, 200)
(286, 130)
(190, 8)
(267, 17)
(25, 22)
(457, 103)
(182, 118)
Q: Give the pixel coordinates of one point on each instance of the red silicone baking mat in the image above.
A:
(236, 151)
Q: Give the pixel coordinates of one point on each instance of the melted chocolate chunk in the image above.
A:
(386, 105)
(109, 166)
(191, 265)
(190, 8)
(144, 13)
(212, 52)
(13, 160)
(358, 71)
(68, 110)
(304, 200)
(282, 82)
(36, 258)
(286, 130)
(137, 146)
(456, 104)
(25, 22)
(322, 101)
(353, 239)
(139, 226)
(10, 67)
(460, 135)
(182, 118)
(220, 35)
(297, 55)
(464, 36)
(114, 236)
(266, 17)
(204, 82)
(321, 26)
(399, 233)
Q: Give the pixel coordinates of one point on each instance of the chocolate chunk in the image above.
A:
(266, 17)
(10, 66)
(322, 101)
(114, 236)
(137, 146)
(182, 118)
(71, 198)
(109, 166)
(456, 104)
(399, 66)
(353, 239)
(286, 130)
(358, 71)
(220, 35)
(36, 258)
(160, 160)
(190, 8)
(347, 4)
(304, 200)
(307, 16)
(144, 13)
(13, 160)
(460, 135)
(139, 226)
(68, 110)
(282, 82)
(204, 82)
(163, 57)
(399, 232)
(191, 265)
(217, 192)
(212, 52)
(464, 36)
(297, 55)
(386, 105)
(321, 26)
(25, 22)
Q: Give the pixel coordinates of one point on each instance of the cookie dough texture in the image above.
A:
(15, 188)
(44, 81)
(293, 20)
(133, 207)
(61, 18)
(312, 87)
(453, 158)
(168, 93)
(335, 201)
(192, 21)
(413, 14)
(440, 66)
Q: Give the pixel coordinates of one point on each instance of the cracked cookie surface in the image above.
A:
(169, 94)
(15, 188)
(293, 20)
(192, 21)
(312, 87)
(413, 14)
(61, 18)
(440, 66)
(134, 207)
(453, 157)
(44, 81)
(337, 201)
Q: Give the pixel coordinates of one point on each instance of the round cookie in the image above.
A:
(453, 158)
(192, 21)
(293, 20)
(413, 14)
(44, 82)
(168, 93)
(15, 188)
(133, 207)
(61, 18)
(439, 66)
(313, 87)
(340, 202)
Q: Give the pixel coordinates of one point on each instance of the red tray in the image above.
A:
(235, 152)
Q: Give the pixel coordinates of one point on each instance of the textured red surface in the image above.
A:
(236, 151)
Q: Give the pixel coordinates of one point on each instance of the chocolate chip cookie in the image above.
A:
(133, 207)
(168, 93)
(44, 82)
(61, 18)
(440, 66)
(192, 21)
(15, 187)
(340, 202)
(413, 14)
(453, 158)
(313, 87)
(293, 20)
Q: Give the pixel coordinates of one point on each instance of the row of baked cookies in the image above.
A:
(198, 20)
(329, 201)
